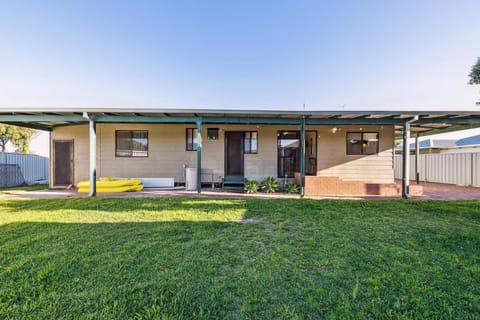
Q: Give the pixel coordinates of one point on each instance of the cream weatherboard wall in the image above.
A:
(167, 156)
(333, 159)
(79, 136)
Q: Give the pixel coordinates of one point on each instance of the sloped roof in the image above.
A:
(469, 141)
(444, 143)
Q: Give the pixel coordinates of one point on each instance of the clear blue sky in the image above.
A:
(250, 54)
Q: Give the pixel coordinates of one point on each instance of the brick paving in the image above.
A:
(438, 191)
(431, 191)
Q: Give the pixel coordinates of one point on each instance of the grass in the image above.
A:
(182, 258)
(24, 188)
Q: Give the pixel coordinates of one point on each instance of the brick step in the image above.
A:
(333, 185)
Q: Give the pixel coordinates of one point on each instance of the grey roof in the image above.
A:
(423, 144)
(249, 111)
(428, 120)
(443, 143)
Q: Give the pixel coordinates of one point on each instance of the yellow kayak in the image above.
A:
(113, 189)
(114, 183)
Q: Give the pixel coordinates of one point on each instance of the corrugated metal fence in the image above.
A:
(18, 168)
(452, 168)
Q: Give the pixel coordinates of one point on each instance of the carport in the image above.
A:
(406, 123)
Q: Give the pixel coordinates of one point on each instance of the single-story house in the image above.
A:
(325, 152)
(470, 144)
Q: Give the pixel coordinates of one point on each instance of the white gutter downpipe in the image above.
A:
(417, 158)
(406, 158)
(92, 134)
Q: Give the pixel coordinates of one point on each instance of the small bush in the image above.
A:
(291, 188)
(251, 186)
(269, 185)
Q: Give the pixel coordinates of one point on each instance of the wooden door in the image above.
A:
(62, 162)
(234, 154)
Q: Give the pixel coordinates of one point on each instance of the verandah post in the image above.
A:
(199, 155)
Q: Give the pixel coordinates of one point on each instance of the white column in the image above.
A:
(406, 161)
(93, 157)
(417, 158)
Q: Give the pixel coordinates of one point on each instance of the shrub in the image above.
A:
(269, 185)
(251, 186)
(291, 188)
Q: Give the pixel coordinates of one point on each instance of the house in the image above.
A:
(449, 142)
(326, 152)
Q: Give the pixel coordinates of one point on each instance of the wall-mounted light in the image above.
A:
(335, 129)
(212, 133)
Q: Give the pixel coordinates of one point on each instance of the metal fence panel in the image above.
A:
(32, 167)
(451, 168)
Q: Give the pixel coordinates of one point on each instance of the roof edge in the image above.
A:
(386, 111)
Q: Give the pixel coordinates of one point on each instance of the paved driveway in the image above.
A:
(437, 191)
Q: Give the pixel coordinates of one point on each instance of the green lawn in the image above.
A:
(182, 258)
(32, 187)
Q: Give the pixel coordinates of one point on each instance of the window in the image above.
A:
(288, 148)
(191, 143)
(131, 143)
(212, 133)
(362, 143)
(250, 142)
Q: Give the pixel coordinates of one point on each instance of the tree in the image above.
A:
(19, 137)
(475, 74)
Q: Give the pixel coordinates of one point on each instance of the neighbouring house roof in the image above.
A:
(470, 141)
(443, 143)
(451, 140)
(49, 118)
(436, 143)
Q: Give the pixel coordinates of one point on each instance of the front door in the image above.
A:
(63, 162)
(234, 154)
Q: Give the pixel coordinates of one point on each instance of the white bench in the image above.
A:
(158, 183)
(210, 175)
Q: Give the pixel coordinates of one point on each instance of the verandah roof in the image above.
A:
(420, 121)
(49, 118)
